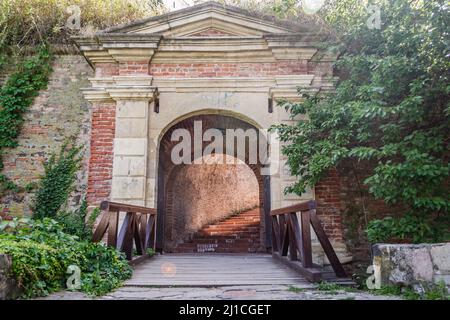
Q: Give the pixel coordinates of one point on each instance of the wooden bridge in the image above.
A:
(290, 262)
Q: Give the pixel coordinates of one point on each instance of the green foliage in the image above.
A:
(437, 291)
(41, 252)
(77, 222)
(412, 228)
(3, 61)
(296, 290)
(150, 252)
(16, 96)
(29, 22)
(389, 112)
(58, 182)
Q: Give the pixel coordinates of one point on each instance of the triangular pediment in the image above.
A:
(211, 32)
(208, 20)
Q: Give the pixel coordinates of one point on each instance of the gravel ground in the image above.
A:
(254, 292)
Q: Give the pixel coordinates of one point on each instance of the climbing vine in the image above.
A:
(58, 181)
(16, 96)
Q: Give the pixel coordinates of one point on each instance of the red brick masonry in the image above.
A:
(101, 159)
(194, 70)
(103, 123)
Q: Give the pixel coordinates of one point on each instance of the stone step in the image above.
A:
(189, 248)
(226, 241)
(224, 237)
(240, 220)
(237, 234)
(228, 233)
(230, 228)
(233, 223)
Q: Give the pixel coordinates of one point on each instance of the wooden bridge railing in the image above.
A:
(139, 226)
(289, 235)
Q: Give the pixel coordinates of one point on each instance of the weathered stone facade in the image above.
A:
(209, 59)
(416, 265)
(8, 286)
(149, 76)
(58, 112)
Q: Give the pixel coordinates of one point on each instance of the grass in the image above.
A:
(296, 290)
(437, 291)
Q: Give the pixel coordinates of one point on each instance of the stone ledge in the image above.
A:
(412, 264)
(8, 286)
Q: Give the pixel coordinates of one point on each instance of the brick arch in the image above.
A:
(167, 170)
(173, 220)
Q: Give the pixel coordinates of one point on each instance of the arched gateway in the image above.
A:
(219, 64)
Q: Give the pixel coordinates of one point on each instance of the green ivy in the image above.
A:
(16, 96)
(410, 228)
(3, 61)
(390, 112)
(41, 252)
(58, 181)
(77, 222)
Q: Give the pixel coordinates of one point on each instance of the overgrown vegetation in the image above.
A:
(437, 291)
(29, 22)
(78, 222)
(16, 96)
(42, 248)
(41, 252)
(58, 181)
(390, 113)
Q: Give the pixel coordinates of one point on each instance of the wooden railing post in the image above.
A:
(294, 236)
(112, 230)
(138, 229)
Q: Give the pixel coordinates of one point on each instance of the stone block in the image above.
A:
(130, 146)
(132, 108)
(129, 166)
(8, 286)
(412, 264)
(440, 255)
(128, 188)
(131, 128)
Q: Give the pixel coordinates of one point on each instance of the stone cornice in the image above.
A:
(144, 87)
(119, 47)
(244, 84)
(120, 87)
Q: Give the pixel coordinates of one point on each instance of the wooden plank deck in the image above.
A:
(211, 270)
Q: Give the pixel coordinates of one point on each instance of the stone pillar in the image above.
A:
(131, 140)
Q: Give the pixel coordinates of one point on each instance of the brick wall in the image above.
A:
(357, 207)
(58, 112)
(329, 205)
(205, 194)
(106, 70)
(102, 153)
(194, 70)
(133, 67)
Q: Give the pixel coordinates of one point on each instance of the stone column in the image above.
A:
(131, 140)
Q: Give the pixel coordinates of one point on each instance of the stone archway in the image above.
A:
(152, 72)
(168, 171)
